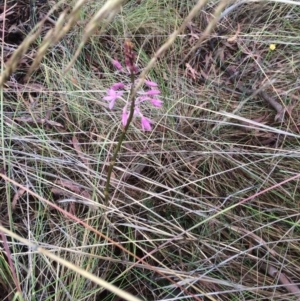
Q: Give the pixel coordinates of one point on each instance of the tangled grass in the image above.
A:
(204, 207)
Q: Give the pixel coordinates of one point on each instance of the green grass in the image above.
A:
(177, 193)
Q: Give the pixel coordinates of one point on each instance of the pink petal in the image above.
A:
(156, 102)
(135, 69)
(111, 92)
(124, 117)
(108, 98)
(132, 68)
(111, 104)
(152, 92)
(146, 124)
(137, 111)
(112, 96)
(117, 86)
(149, 83)
(142, 98)
(117, 64)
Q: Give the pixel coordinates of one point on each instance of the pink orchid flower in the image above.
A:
(112, 96)
(117, 89)
(146, 124)
(124, 116)
(156, 102)
(151, 92)
(151, 84)
(117, 86)
(117, 64)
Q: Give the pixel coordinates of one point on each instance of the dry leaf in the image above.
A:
(232, 39)
(282, 279)
(13, 28)
(191, 70)
(68, 184)
(19, 193)
(71, 186)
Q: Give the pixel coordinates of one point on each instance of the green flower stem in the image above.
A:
(121, 139)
